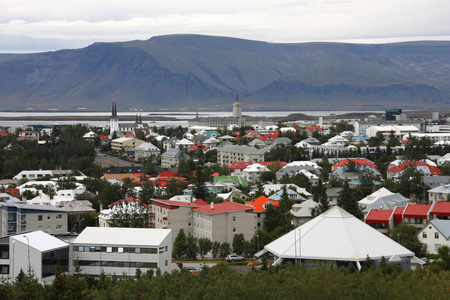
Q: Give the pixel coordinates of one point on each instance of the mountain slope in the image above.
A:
(193, 71)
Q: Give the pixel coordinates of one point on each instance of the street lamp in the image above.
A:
(29, 264)
(257, 237)
(398, 238)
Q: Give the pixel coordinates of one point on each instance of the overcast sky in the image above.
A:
(43, 25)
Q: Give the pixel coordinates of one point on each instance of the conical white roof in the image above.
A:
(336, 235)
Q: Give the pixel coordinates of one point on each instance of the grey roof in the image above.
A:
(173, 153)
(443, 226)
(443, 189)
(277, 196)
(147, 147)
(241, 149)
(388, 202)
(293, 170)
(430, 180)
(34, 207)
(8, 198)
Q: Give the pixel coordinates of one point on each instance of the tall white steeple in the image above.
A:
(114, 119)
(237, 108)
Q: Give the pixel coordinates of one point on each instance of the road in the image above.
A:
(106, 160)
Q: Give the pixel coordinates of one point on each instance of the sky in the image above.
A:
(48, 25)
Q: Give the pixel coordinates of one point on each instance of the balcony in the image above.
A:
(151, 214)
(165, 218)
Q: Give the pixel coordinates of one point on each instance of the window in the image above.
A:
(234, 229)
(436, 235)
(58, 217)
(424, 234)
(58, 227)
(234, 219)
(48, 217)
(166, 263)
(437, 246)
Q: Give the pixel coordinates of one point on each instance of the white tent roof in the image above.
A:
(336, 235)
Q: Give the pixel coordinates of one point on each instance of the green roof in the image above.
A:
(238, 179)
(334, 192)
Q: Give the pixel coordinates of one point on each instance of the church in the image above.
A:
(238, 120)
(120, 128)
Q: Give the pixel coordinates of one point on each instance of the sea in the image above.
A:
(181, 117)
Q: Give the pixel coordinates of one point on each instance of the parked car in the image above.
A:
(179, 264)
(234, 257)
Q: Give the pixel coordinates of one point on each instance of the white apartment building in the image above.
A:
(233, 153)
(121, 250)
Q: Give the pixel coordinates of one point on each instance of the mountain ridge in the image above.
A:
(197, 71)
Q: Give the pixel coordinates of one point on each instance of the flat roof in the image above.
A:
(122, 236)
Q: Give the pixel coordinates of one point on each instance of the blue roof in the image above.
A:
(362, 136)
(210, 133)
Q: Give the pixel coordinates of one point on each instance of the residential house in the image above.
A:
(252, 172)
(440, 193)
(303, 212)
(113, 250)
(424, 167)
(435, 235)
(333, 195)
(146, 150)
(380, 219)
(171, 158)
(270, 189)
(292, 195)
(416, 215)
(260, 205)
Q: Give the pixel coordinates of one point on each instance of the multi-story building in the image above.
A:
(171, 158)
(217, 222)
(233, 153)
(120, 251)
(36, 251)
(146, 150)
(19, 217)
(123, 142)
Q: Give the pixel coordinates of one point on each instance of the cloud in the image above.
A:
(85, 22)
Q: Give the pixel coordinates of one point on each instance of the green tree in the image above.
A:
(204, 246)
(348, 202)
(179, 245)
(267, 176)
(407, 235)
(238, 243)
(191, 247)
(215, 250)
(225, 249)
(130, 214)
(320, 196)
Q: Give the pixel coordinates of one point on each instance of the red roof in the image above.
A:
(402, 166)
(441, 209)
(103, 138)
(167, 174)
(129, 199)
(314, 128)
(258, 203)
(419, 211)
(379, 216)
(268, 137)
(224, 207)
(195, 204)
(398, 214)
(198, 146)
(358, 162)
(130, 135)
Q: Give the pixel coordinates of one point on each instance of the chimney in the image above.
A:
(212, 205)
(189, 199)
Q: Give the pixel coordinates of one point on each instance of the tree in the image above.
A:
(191, 247)
(204, 246)
(132, 214)
(407, 236)
(225, 249)
(348, 202)
(321, 197)
(215, 250)
(179, 245)
(267, 176)
(238, 243)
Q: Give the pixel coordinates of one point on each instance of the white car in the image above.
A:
(234, 257)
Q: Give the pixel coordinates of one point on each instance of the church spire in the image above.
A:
(237, 97)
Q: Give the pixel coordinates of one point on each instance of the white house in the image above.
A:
(435, 235)
(121, 250)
